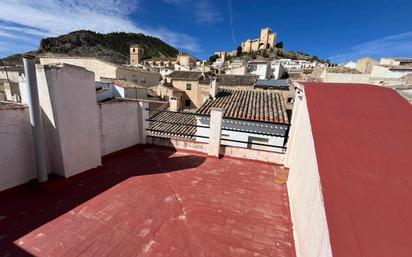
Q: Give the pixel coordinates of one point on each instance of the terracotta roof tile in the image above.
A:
(185, 75)
(266, 106)
(160, 125)
(237, 80)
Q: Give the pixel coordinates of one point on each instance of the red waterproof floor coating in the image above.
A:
(151, 201)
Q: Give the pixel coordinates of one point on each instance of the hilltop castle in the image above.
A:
(267, 40)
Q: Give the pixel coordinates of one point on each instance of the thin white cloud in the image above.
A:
(230, 8)
(206, 12)
(175, 1)
(54, 17)
(399, 45)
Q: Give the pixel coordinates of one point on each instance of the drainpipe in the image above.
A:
(35, 117)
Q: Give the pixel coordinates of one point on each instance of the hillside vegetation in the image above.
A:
(112, 47)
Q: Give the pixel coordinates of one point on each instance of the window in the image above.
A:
(187, 103)
(166, 98)
(134, 50)
(253, 141)
(188, 86)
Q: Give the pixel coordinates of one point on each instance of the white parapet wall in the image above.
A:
(16, 149)
(246, 131)
(310, 228)
(120, 125)
(231, 151)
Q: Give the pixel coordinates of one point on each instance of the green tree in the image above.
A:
(279, 45)
(213, 58)
(239, 51)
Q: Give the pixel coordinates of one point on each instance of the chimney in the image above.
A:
(173, 104)
(214, 88)
(203, 69)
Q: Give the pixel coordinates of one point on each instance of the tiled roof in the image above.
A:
(402, 59)
(236, 80)
(11, 105)
(267, 106)
(12, 68)
(170, 87)
(185, 75)
(280, 84)
(160, 125)
(205, 81)
(401, 67)
(162, 59)
(342, 70)
(126, 84)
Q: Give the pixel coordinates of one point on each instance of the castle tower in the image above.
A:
(264, 37)
(136, 54)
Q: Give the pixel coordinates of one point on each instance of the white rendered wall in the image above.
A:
(310, 229)
(101, 69)
(262, 70)
(68, 100)
(346, 78)
(16, 149)
(119, 125)
(244, 136)
(384, 72)
(277, 71)
(236, 71)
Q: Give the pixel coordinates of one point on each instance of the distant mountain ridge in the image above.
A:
(112, 47)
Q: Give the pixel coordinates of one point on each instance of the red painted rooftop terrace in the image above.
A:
(151, 201)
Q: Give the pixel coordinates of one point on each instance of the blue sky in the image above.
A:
(337, 30)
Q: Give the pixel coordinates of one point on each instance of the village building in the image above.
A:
(282, 86)
(390, 71)
(183, 60)
(262, 69)
(236, 81)
(167, 92)
(9, 83)
(195, 85)
(365, 65)
(110, 89)
(161, 62)
(339, 75)
(398, 61)
(103, 70)
(251, 119)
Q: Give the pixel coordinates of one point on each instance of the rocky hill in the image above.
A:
(273, 54)
(112, 47)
